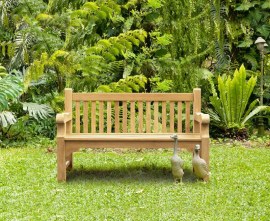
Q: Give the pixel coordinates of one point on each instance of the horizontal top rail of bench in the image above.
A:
(132, 96)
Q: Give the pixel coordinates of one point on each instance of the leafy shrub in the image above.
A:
(231, 108)
(14, 114)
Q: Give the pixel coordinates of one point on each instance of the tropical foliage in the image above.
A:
(122, 46)
(231, 106)
(14, 113)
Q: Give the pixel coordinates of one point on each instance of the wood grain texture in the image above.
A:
(132, 96)
(101, 117)
(116, 117)
(187, 121)
(140, 118)
(93, 117)
(156, 129)
(179, 116)
(164, 117)
(124, 120)
(85, 117)
(132, 117)
(109, 117)
(78, 115)
(148, 117)
(171, 120)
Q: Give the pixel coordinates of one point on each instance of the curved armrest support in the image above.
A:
(62, 121)
(63, 118)
(202, 118)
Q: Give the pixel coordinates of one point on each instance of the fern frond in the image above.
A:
(252, 60)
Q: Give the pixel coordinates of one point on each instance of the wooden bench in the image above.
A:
(129, 120)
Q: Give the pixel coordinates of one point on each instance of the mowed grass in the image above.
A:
(134, 185)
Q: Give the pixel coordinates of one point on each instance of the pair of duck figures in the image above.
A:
(200, 167)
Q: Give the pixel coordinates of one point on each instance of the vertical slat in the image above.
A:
(132, 117)
(148, 117)
(172, 117)
(187, 122)
(85, 117)
(109, 117)
(140, 106)
(116, 116)
(179, 120)
(93, 117)
(124, 120)
(101, 117)
(68, 108)
(77, 120)
(164, 117)
(156, 116)
(196, 108)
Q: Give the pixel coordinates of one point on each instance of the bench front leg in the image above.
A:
(63, 122)
(205, 142)
(61, 160)
(201, 121)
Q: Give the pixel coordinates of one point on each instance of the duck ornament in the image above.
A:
(177, 162)
(200, 167)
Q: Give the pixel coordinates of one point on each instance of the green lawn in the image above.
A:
(130, 185)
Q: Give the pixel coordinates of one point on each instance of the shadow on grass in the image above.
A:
(131, 173)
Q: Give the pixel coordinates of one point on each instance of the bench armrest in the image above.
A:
(63, 118)
(201, 124)
(202, 118)
(63, 122)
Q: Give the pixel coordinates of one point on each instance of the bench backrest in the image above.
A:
(132, 112)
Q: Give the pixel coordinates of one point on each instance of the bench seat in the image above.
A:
(131, 137)
(76, 141)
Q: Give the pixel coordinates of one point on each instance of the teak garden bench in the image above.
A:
(129, 120)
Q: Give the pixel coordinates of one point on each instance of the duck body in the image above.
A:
(176, 162)
(177, 168)
(200, 167)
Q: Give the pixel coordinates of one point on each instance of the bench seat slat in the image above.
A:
(130, 137)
